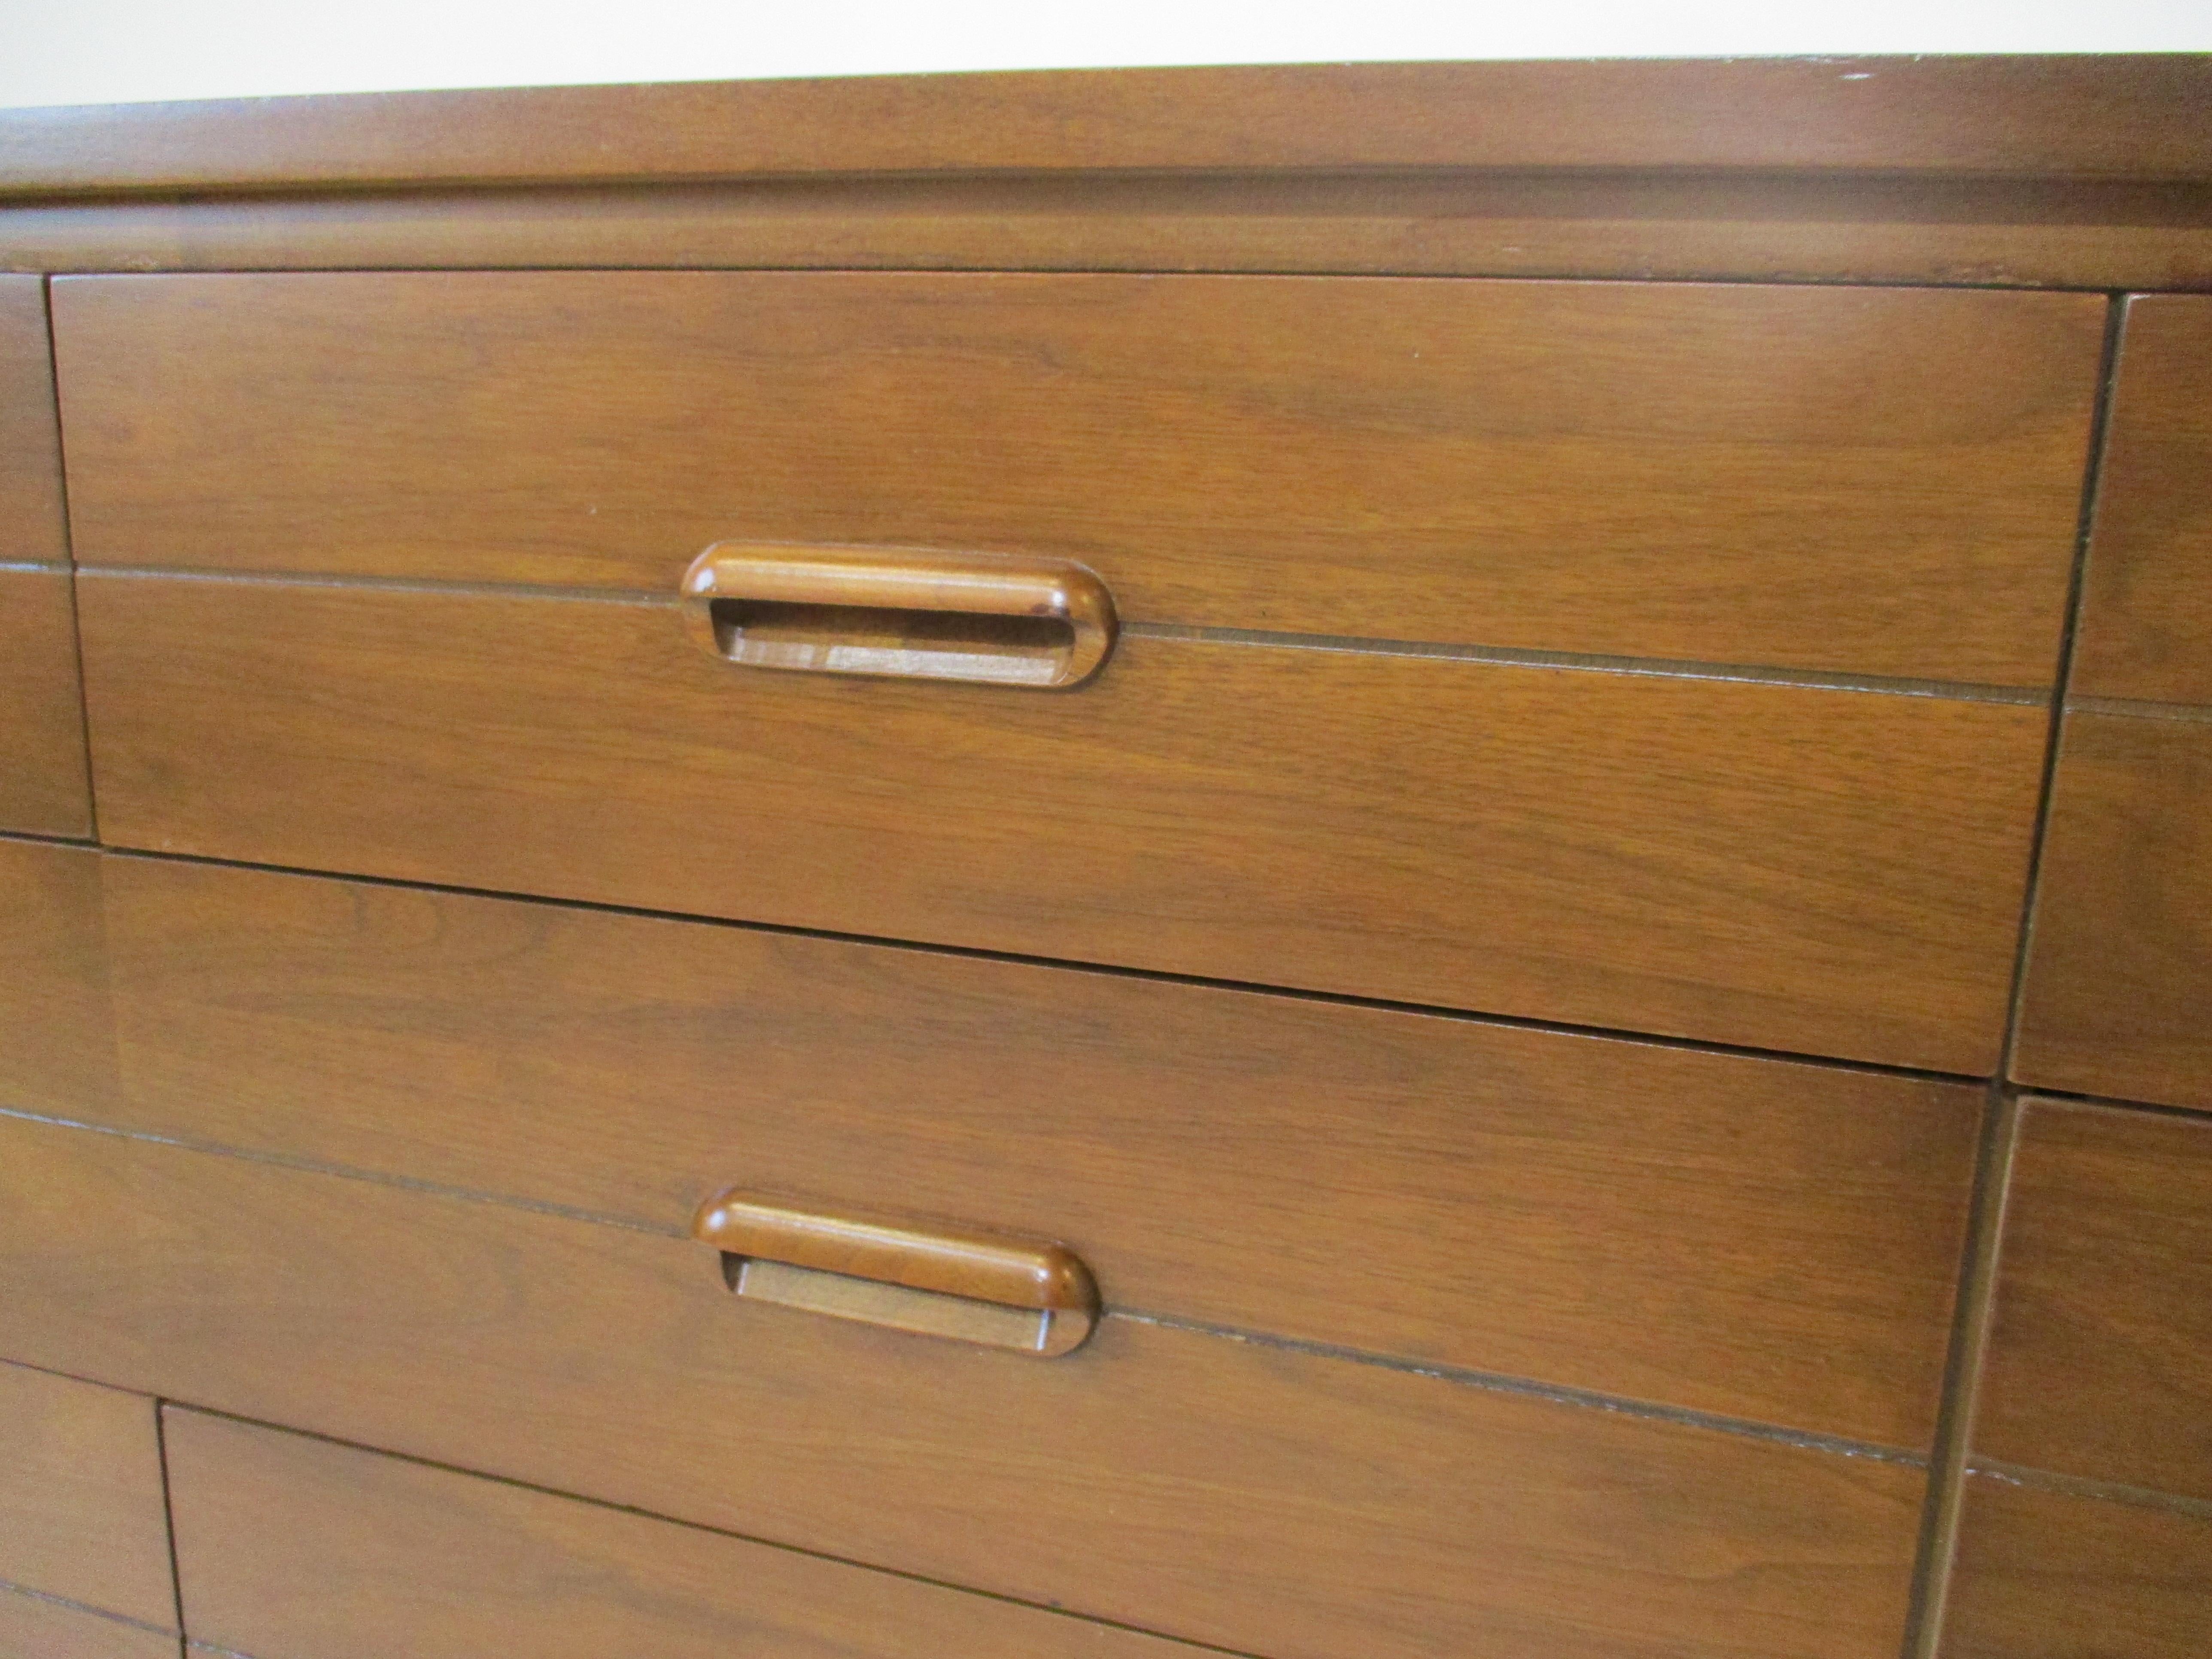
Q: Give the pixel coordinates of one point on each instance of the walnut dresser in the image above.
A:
(1340, 863)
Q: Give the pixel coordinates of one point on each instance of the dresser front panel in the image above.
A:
(1819, 870)
(56, 1025)
(2119, 986)
(82, 1517)
(2051, 1575)
(294, 1548)
(1743, 1236)
(36, 1628)
(1261, 1497)
(1878, 481)
(2103, 1313)
(43, 786)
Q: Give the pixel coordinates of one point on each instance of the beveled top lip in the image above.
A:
(2142, 116)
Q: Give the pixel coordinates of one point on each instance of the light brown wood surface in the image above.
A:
(81, 1513)
(2146, 628)
(2127, 116)
(1878, 480)
(1269, 1500)
(32, 528)
(57, 1033)
(32, 1629)
(2043, 1575)
(2096, 1363)
(293, 1548)
(1769, 864)
(1806, 227)
(1738, 1235)
(43, 788)
(2118, 998)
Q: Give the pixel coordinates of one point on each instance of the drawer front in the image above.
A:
(81, 1513)
(33, 529)
(2119, 979)
(1837, 871)
(1736, 1236)
(1883, 481)
(1262, 1497)
(2103, 1317)
(57, 1033)
(2146, 628)
(38, 1629)
(293, 1548)
(2047, 1575)
(43, 788)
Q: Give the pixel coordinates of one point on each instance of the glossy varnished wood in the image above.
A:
(1805, 227)
(1273, 1501)
(293, 1548)
(57, 1042)
(2129, 117)
(2044, 1575)
(2096, 1363)
(37, 1629)
(81, 1514)
(1736, 1236)
(2119, 978)
(1883, 482)
(43, 788)
(32, 530)
(1653, 852)
(2146, 628)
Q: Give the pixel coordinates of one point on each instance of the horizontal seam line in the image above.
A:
(11, 1587)
(1555, 1394)
(1489, 1382)
(1601, 663)
(35, 567)
(2140, 708)
(2078, 1486)
(1359, 645)
(1064, 964)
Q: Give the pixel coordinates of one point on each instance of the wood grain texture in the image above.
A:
(32, 527)
(1743, 1237)
(2119, 973)
(33, 1629)
(44, 785)
(2146, 628)
(81, 1513)
(1265, 1499)
(1780, 227)
(2104, 1301)
(57, 1031)
(1775, 866)
(2043, 1575)
(295, 1548)
(2123, 116)
(1884, 481)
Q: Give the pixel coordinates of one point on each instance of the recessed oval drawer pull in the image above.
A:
(1024, 1294)
(911, 613)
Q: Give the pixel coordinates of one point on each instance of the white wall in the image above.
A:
(60, 51)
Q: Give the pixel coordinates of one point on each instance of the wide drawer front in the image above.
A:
(1878, 481)
(1771, 864)
(293, 1548)
(1244, 1493)
(82, 1518)
(1743, 1237)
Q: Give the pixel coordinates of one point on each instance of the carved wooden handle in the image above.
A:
(949, 1281)
(914, 613)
